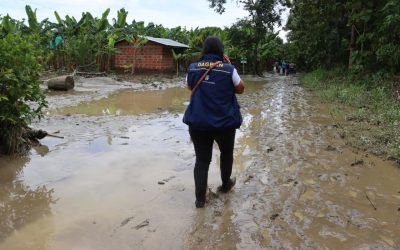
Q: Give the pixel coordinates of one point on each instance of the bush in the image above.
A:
(21, 99)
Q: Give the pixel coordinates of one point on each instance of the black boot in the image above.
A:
(200, 181)
(226, 187)
(200, 204)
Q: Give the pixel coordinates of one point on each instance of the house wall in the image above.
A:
(152, 57)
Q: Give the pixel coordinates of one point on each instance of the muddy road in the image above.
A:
(122, 177)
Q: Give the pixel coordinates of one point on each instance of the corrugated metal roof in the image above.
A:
(167, 42)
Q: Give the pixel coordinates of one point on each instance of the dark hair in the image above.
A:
(213, 45)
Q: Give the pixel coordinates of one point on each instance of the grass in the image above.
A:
(373, 122)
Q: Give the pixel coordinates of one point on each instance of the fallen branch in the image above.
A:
(372, 204)
(90, 74)
(55, 136)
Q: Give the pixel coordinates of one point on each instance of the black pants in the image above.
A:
(203, 145)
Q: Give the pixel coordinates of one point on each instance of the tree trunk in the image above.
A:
(134, 62)
(352, 46)
(63, 83)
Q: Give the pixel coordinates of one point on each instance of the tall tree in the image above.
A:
(263, 16)
(362, 35)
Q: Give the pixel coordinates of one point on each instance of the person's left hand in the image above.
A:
(226, 59)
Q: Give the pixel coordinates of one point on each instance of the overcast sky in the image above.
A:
(169, 13)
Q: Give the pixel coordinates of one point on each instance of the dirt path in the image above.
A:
(122, 179)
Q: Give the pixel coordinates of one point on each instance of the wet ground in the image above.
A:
(122, 177)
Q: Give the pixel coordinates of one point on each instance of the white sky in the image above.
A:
(169, 13)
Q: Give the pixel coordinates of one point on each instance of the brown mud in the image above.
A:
(122, 177)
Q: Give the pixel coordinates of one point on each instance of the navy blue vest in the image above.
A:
(213, 105)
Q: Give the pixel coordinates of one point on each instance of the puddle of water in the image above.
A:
(132, 102)
(135, 102)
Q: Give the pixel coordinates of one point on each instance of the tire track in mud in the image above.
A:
(299, 189)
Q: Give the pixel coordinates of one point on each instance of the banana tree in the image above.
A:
(177, 58)
(137, 43)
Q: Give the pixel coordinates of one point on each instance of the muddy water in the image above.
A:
(299, 185)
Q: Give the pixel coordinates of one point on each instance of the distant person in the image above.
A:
(56, 44)
(276, 67)
(213, 114)
(286, 65)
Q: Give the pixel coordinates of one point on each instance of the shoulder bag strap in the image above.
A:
(203, 76)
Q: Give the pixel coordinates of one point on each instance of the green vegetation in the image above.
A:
(253, 37)
(20, 97)
(362, 35)
(359, 39)
(88, 43)
(373, 117)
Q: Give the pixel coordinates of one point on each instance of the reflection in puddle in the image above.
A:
(20, 204)
(134, 102)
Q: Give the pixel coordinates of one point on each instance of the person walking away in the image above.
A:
(286, 68)
(213, 114)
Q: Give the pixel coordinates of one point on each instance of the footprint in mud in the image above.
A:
(145, 223)
(126, 221)
(123, 223)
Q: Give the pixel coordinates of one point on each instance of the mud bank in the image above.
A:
(122, 178)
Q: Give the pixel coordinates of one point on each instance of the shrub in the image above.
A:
(21, 99)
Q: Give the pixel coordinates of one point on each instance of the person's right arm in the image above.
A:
(237, 82)
(239, 89)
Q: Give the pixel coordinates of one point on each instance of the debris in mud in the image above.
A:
(330, 148)
(162, 182)
(94, 223)
(126, 221)
(143, 224)
(398, 210)
(372, 204)
(290, 180)
(248, 179)
(269, 149)
(217, 213)
(274, 216)
(357, 162)
(61, 83)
